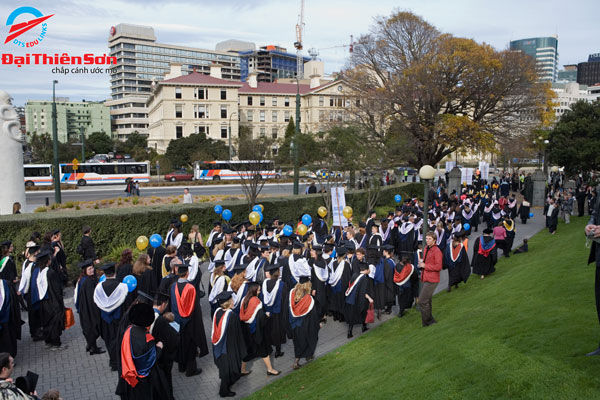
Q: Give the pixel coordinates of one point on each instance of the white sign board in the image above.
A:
(338, 202)
(484, 168)
(466, 176)
(450, 165)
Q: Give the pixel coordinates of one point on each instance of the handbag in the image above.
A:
(69, 318)
(370, 314)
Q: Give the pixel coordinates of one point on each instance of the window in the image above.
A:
(286, 116)
(321, 115)
(223, 111)
(274, 116)
(287, 101)
(178, 111)
(263, 132)
(223, 94)
(262, 101)
(223, 132)
(274, 101)
(249, 116)
(262, 116)
(178, 132)
(331, 102)
(178, 93)
(321, 101)
(201, 94)
(201, 129)
(274, 133)
(201, 111)
(249, 100)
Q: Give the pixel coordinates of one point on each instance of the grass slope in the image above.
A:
(520, 333)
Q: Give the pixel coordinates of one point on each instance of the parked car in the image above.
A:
(411, 171)
(181, 175)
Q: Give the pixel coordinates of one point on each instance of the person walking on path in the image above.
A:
(431, 265)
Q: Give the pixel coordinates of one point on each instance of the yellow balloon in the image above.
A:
(302, 229)
(141, 242)
(322, 211)
(183, 218)
(262, 208)
(254, 218)
(347, 211)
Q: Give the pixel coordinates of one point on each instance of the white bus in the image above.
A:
(37, 174)
(217, 170)
(104, 173)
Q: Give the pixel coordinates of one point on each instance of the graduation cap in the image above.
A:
(28, 382)
(174, 220)
(177, 224)
(304, 279)
(263, 248)
(216, 223)
(236, 239)
(182, 268)
(363, 266)
(219, 262)
(252, 245)
(269, 228)
(43, 254)
(217, 240)
(33, 248)
(228, 231)
(273, 244)
(6, 243)
(340, 251)
(143, 297)
(108, 268)
(141, 314)
(487, 231)
(251, 228)
(362, 225)
(317, 247)
(349, 245)
(239, 267)
(56, 231)
(87, 263)
(387, 247)
(223, 297)
(272, 267)
(160, 297)
(297, 244)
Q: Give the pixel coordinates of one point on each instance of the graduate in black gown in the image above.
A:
(388, 272)
(358, 298)
(456, 261)
(33, 312)
(339, 278)
(49, 293)
(319, 277)
(485, 254)
(10, 318)
(403, 272)
(304, 321)
(8, 269)
(185, 305)
(156, 256)
(274, 296)
(89, 313)
(139, 352)
(163, 331)
(110, 297)
(229, 347)
(254, 329)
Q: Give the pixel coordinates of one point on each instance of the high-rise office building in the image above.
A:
(569, 74)
(588, 73)
(270, 62)
(545, 52)
(140, 61)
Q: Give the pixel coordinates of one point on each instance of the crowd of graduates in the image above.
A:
(266, 285)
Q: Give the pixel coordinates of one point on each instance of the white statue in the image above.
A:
(12, 183)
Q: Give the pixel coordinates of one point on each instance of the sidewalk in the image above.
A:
(80, 376)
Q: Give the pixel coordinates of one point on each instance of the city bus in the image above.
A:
(37, 174)
(104, 173)
(217, 170)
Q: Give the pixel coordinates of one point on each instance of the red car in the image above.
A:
(179, 176)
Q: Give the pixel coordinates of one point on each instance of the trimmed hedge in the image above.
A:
(113, 227)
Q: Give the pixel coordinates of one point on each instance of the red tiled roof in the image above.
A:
(201, 79)
(274, 87)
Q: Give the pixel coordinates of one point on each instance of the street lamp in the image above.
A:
(230, 149)
(57, 197)
(426, 173)
(296, 138)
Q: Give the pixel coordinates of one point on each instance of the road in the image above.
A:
(87, 193)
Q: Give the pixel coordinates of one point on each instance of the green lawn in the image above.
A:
(520, 333)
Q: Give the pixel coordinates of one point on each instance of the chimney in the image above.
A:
(253, 79)
(175, 71)
(315, 81)
(215, 71)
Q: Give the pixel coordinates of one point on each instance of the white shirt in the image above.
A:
(187, 198)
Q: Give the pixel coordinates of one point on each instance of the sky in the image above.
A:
(79, 27)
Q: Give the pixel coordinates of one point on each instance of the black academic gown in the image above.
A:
(484, 265)
(157, 255)
(89, 313)
(357, 304)
(230, 351)
(390, 289)
(110, 322)
(459, 269)
(277, 323)
(404, 244)
(52, 310)
(165, 333)
(256, 337)
(337, 292)
(192, 338)
(10, 319)
(123, 271)
(404, 292)
(9, 272)
(305, 331)
(165, 286)
(319, 286)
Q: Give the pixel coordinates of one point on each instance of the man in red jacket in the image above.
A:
(431, 265)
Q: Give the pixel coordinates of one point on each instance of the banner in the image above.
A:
(484, 168)
(450, 166)
(338, 202)
(466, 176)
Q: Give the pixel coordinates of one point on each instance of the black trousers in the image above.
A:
(597, 290)
(225, 385)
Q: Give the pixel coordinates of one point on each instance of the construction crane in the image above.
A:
(298, 42)
(342, 46)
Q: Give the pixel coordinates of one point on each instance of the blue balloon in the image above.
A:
(486, 187)
(102, 278)
(261, 216)
(257, 208)
(397, 198)
(226, 214)
(467, 227)
(530, 215)
(218, 209)
(155, 240)
(306, 219)
(287, 230)
(131, 282)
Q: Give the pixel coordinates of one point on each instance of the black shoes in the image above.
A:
(228, 394)
(279, 354)
(96, 350)
(197, 371)
(594, 353)
(365, 328)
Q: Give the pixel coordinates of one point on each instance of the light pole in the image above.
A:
(57, 198)
(230, 148)
(296, 134)
(426, 173)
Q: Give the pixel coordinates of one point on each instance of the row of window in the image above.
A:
(204, 129)
(261, 116)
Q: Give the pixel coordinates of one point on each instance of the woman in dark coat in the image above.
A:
(89, 313)
(319, 276)
(339, 278)
(274, 295)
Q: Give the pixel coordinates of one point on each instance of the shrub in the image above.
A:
(135, 200)
(175, 201)
(96, 206)
(40, 209)
(127, 199)
(69, 204)
(114, 254)
(54, 206)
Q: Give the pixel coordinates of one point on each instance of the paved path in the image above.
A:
(80, 376)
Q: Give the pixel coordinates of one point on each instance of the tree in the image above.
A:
(184, 151)
(99, 143)
(41, 148)
(309, 149)
(574, 141)
(440, 93)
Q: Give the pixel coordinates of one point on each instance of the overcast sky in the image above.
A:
(80, 27)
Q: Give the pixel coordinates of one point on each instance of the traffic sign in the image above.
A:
(75, 164)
